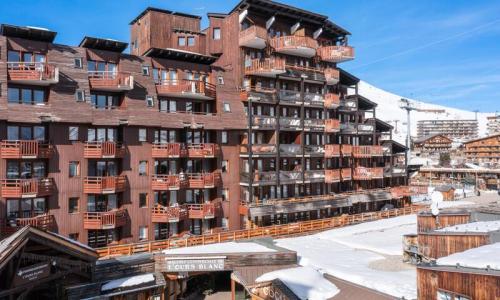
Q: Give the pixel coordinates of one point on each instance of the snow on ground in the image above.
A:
(481, 258)
(128, 281)
(350, 252)
(305, 282)
(486, 226)
(229, 247)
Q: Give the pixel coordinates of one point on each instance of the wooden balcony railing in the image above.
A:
(336, 54)
(265, 67)
(253, 37)
(105, 149)
(258, 94)
(166, 182)
(346, 150)
(332, 125)
(104, 184)
(203, 150)
(111, 81)
(201, 211)
(401, 191)
(104, 220)
(185, 88)
(332, 176)
(332, 100)
(36, 73)
(367, 151)
(361, 173)
(203, 180)
(168, 214)
(26, 188)
(264, 122)
(346, 174)
(295, 45)
(332, 150)
(259, 149)
(166, 150)
(44, 221)
(263, 177)
(314, 99)
(25, 149)
(332, 75)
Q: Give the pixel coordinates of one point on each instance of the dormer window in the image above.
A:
(181, 41)
(105, 100)
(191, 41)
(102, 67)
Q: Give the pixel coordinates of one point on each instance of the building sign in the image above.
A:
(32, 273)
(188, 264)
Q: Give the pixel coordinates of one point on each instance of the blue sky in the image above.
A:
(441, 51)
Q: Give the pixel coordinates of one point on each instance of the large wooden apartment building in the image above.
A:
(248, 122)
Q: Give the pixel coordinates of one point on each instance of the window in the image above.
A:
(182, 41)
(150, 101)
(143, 168)
(191, 41)
(105, 101)
(80, 96)
(143, 233)
(220, 80)
(226, 107)
(73, 133)
(26, 133)
(25, 95)
(217, 33)
(143, 200)
(74, 168)
(225, 166)
(73, 236)
(73, 205)
(145, 70)
(142, 134)
(224, 137)
(78, 63)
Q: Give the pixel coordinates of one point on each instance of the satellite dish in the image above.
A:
(436, 198)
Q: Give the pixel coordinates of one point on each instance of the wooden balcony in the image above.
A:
(361, 173)
(202, 180)
(269, 67)
(367, 151)
(26, 188)
(167, 150)
(253, 37)
(201, 211)
(332, 76)
(166, 182)
(184, 88)
(43, 221)
(314, 176)
(332, 151)
(401, 191)
(168, 214)
(314, 124)
(203, 150)
(346, 174)
(336, 54)
(314, 99)
(289, 97)
(39, 74)
(332, 125)
(332, 176)
(259, 94)
(104, 184)
(25, 149)
(264, 122)
(103, 150)
(332, 100)
(295, 45)
(104, 220)
(259, 178)
(260, 149)
(346, 150)
(111, 81)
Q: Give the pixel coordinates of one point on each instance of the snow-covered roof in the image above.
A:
(484, 257)
(229, 247)
(480, 227)
(304, 282)
(128, 282)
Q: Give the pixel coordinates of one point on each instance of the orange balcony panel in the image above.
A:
(103, 150)
(401, 191)
(203, 180)
(103, 184)
(25, 149)
(168, 214)
(336, 54)
(166, 182)
(184, 88)
(332, 150)
(269, 67)
(332, 76)
(170, 150)
(362, 173)
(40, 74)
(44, 221)
(201, 211)
(346, 174)
(332, 176)
(295, 45)
(346, 150)
(104, 220)
(26, 188)
(367, 151)
(243, 208)
(332, 100)
(253, 37)
(332, 125)
(111, 81)
(205, 150)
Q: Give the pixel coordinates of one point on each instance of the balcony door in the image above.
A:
(26, 133)
(103, 168)
(101, 134)
(25, 208)
(102, 203)
(26, 169)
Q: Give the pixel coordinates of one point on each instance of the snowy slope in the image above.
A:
(388, 110)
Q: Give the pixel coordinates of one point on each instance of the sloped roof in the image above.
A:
(482, 138)
(428, 137)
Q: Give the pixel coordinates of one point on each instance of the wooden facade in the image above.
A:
(437, 143)
(484, 151)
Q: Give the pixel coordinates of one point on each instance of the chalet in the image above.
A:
(448, 192)
(484, 151)
(432, 144)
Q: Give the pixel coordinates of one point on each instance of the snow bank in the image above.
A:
(128, 281)
(305, 282)
(229, 247)
(483, 257)
(486, 226)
